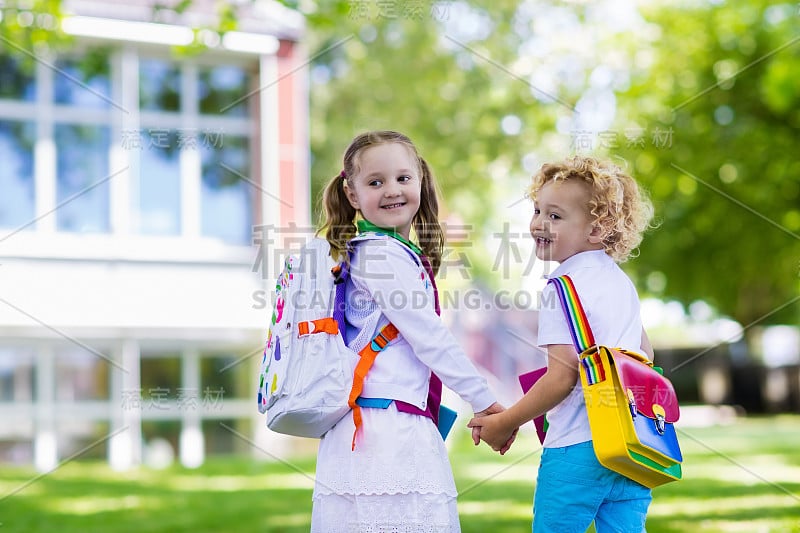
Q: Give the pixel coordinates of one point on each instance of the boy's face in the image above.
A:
(561, 224)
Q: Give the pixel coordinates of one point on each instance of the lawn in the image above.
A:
(740, 477)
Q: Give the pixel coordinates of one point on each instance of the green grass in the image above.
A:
(742, 477)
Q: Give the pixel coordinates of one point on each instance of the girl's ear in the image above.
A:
(351, 195)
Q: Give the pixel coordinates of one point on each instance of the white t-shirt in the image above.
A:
(612, 309)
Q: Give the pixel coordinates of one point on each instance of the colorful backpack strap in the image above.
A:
(366, 359)
(582, 336)
(368, 354)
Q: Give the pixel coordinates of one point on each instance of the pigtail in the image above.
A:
(339, 226)
(426, 222)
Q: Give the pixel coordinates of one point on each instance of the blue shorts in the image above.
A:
(573, 488)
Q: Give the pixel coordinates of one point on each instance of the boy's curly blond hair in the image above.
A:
(616, 202)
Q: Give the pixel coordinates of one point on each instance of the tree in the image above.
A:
(456, 78)
(706, 102)
(722, 84)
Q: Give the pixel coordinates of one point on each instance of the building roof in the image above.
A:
(265, 17)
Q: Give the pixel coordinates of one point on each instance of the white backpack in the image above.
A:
(307, 371)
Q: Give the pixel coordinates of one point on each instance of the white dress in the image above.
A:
(398, 479)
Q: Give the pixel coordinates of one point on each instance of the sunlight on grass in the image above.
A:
(748, 471)
(730, 526)
(235, 483)
(18, 486)
(496, 508)
(679, 507)
(523, 472)
(295, 519)
(97, 504)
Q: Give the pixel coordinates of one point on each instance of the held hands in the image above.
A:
(489, 426)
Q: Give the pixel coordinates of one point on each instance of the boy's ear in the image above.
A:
(596, 235)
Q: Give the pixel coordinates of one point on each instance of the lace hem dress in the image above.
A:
(398, 480)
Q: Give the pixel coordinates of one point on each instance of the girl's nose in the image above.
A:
(391, 189)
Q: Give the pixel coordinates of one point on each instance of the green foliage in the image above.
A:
(31, 27)
(447, 90)
(720, 79)
(727, 191)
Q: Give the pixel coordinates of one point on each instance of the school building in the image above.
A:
(133, 179)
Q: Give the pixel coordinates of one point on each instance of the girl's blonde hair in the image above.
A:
(340, 217)
(621, 209)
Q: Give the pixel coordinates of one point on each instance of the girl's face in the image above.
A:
(561, 224)
(386, 188)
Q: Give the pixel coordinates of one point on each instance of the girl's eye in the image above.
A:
(403, 179)
(374, 183)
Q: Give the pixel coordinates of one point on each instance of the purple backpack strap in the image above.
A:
(339, 299)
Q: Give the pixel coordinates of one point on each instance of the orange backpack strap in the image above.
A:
(367, 357)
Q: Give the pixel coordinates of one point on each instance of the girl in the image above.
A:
(394, 475)
(588, 216)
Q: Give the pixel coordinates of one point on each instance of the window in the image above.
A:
(159, 197)
(182, 106)
(226, 195)
(159, 86)
(16, 173)
(223, 90)
(83, 174)
(16, 82)
(161, 380)
(222, 379)
(81, 376)
(84, 83)
(17, 375)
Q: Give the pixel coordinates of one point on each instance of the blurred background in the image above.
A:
(158, 159)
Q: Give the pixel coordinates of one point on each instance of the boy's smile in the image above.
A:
(561, 224)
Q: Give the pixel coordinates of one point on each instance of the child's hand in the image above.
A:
(492, 409)
(493, 430)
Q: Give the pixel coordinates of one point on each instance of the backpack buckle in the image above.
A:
(379, 342)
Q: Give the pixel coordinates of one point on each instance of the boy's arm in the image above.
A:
(646, 347)
(559, 380)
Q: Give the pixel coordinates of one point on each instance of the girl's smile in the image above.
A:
(386, 187)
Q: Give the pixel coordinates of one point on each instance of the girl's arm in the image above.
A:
(561, 377)
(393, 280)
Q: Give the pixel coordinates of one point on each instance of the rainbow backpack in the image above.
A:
(309, 378)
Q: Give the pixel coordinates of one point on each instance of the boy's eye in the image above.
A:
(554, 216)
(537, 211)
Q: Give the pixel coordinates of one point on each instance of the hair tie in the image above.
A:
(342, 174)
